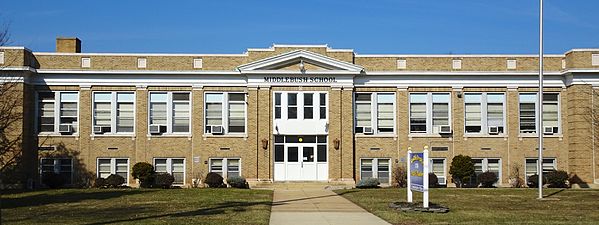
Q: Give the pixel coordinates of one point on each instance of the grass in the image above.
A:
(137, 206)
(485, 206)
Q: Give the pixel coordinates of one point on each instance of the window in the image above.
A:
(531, 166)
(292, 106)
(62, 167)
(142, 63)
(308, 105)
(429, 111)
(376, 167)
(528, 106)
(401, 64)
(484, 113)
(197, 63)
(226, 110)
(375, 110)
(226, 167)
(437, 166)
(58, 108)
(118, 166)
(173, 166)
(277, 105)
(300, 105)
(114, 112)
(171, 110)
(484, 165)
(86, 62)
(323, 105)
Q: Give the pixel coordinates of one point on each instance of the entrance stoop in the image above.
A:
(285, 185)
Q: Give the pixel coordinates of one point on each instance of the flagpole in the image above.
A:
(540, 129)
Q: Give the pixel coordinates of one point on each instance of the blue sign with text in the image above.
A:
(417, 172)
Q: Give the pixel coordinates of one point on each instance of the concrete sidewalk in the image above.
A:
(313, 204)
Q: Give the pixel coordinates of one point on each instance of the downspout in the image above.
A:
(593, 124)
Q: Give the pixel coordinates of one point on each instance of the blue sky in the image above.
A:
(368, 27)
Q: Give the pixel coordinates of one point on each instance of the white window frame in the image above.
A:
(374, 112)
(169, 111)
(444, 169)
(485, 167)
(56, 166)
(429, 112)
(225, 112)
(540, 129)
(169, 167)
(537, 164)
(375, 167)
(225, 169)
(57, 113)
(300, 105)
(484, 130)
(114, 113)
(113, 167)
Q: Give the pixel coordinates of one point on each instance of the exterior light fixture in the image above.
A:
(336, 143)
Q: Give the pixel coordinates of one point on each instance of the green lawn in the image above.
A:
(137, 206)
(485, 206)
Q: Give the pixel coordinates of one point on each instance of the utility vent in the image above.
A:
(142, 62)
(457, 64)
(439, 148)
(225, 148)
(375, 149)
(113, 149)
(511, 64)
(46, 148)
(402, 64)
(486, 149)
(198, 63)
(1, 57)
(86, 62)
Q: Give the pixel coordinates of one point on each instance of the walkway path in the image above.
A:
(314, 205)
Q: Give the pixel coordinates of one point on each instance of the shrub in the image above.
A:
(163, 180)
(461, 169)
(515, 180)
(368, 183)
(533, 181)
(237, 182)
(214, 180)
(487, 179)
(557, 178)
(100, 183)
(400, 176)
(53, 180)
(114, 181)
(433, 181)
(144, 172)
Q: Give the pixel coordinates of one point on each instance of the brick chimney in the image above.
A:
(68, 44)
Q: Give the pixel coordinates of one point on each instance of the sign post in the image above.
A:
(418, 174)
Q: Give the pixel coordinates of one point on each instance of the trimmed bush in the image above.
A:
(533, 181)
(163, 180)
(100, 183)
(237, 182)
(461, 169)
(144, 172)
(400, 176)
(368, 183)
(214, 180)
(487, 179)
(53, 180)
(557, 179)
(433, 181)
(114, 181)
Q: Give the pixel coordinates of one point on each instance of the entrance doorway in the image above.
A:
(301, 158)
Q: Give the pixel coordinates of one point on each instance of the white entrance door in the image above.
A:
(300, 162)
(308, 162)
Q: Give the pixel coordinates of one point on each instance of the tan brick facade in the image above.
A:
(572, 148)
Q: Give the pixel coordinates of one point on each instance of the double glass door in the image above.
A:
(300, 161)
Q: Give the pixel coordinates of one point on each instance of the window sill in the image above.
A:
(375, 135)
(112, 135)
(536, 136)
(485, 136)
(168, 135)
(225, 136)
(75, 135)
(430, 135)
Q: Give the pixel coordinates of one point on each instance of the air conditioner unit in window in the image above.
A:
(101, 129)
(493, 130)
(65, 128)
(368, 130)
(157, 129)
(445, 129)
(548, 130)
(441, 180)
(217, 130)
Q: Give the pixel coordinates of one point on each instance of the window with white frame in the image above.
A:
(429, 111)
(528, 106)
(173, 166)
(322, 99)
(225, 110)
(226, 167)
(278, 105)
(56, 109)
(437, 166)
(375, 111)
(482, 165)
(379, 168)
(484, 113)
(118, 166)
(60, 166)
(172, 110)
(308, 105)
(549, 164)
(114, 112)
(300, 105)
(291, 105)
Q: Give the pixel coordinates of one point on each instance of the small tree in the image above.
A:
(400, 176)
(461, 169)
(515, 180)
(144, 172)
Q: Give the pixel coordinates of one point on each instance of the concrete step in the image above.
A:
(288, 185)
